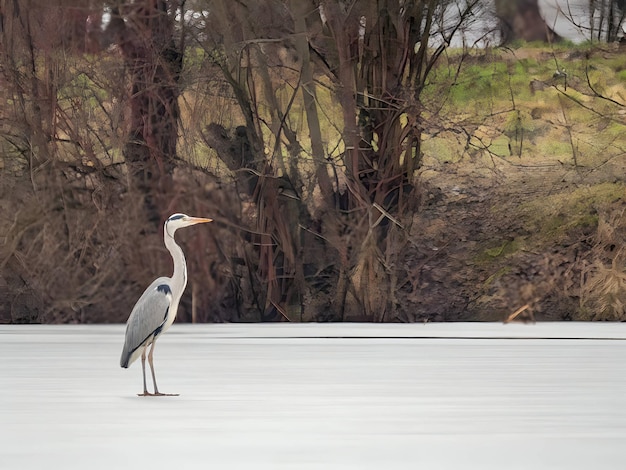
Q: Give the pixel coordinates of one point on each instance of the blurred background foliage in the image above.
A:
(364, 161)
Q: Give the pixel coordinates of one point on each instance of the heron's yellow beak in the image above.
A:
(199, 220)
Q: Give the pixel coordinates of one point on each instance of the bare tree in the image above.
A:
(345, 231)
(606, 18)
(144, 32)
(380, 54)
(66, 202)
(521, 19)
(45, 237)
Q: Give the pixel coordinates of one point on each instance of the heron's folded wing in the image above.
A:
(148, 316)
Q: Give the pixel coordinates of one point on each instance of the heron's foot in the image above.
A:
(145, 394)
(157, 394)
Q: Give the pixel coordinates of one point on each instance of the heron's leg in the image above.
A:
(156, 390)
(143, 370)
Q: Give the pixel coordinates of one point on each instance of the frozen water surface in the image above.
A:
(436, 396)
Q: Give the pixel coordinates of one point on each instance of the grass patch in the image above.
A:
(501, 250)
(551, 218)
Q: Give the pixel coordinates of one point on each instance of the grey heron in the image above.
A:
(156, 309)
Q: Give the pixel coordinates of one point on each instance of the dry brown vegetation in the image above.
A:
(351, 176)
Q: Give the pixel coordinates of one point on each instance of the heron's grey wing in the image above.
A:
(146, 320)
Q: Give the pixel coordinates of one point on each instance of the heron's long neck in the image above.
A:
(179, 278)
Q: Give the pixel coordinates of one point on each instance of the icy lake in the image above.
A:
(283, 396)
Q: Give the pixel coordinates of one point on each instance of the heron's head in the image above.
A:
(176, 221)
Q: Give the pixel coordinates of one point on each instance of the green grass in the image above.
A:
(499, 250)
(552, 217)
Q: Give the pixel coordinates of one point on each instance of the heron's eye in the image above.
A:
(176, 217)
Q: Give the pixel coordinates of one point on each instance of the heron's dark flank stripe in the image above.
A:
(157, 332)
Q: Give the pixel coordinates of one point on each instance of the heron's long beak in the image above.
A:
(199, 220)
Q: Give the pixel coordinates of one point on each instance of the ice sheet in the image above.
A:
(317, 396)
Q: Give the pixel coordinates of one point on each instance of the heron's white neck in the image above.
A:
(179, 278)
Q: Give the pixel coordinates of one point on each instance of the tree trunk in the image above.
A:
(146, 40)
(521, 19)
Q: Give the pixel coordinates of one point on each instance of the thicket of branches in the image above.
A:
(314, 214)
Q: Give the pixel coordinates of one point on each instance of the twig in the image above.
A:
(388, 215)
(599, 95)
(512, 317)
